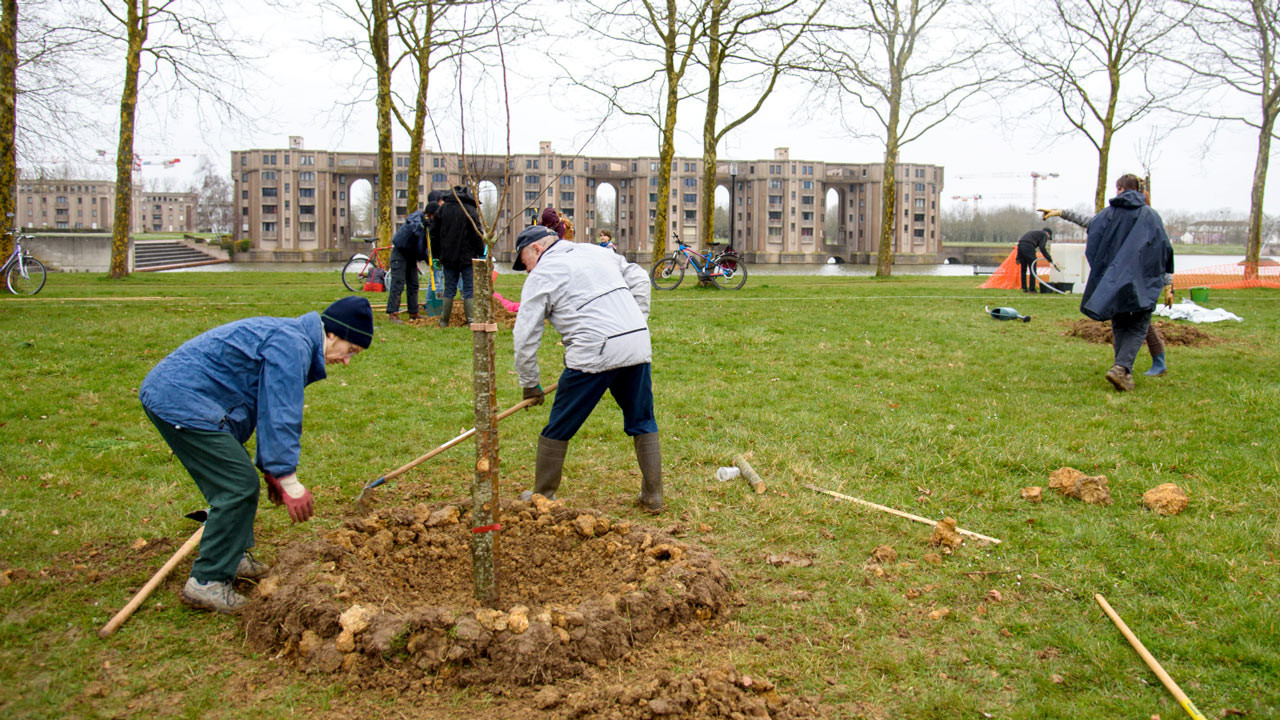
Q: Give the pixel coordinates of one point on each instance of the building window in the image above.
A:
(691, 197)
(439, 178)
(306, 177)
(269, 192)
(806, 184)
(306, 192)
(531, 195)
(775, 199)
(566, 197)
(402, 177)
(532, 179)
(919, 187)
(306, 209)
(269, 209)
(806, 200)
(566, 180)
(268, 227)
(308, 227)
(806, 232)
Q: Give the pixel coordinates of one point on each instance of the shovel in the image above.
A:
(433, 304)
(367, 493)
(192, 542)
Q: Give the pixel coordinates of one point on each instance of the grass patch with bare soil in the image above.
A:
(901, 392)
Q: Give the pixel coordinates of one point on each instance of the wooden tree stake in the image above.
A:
(484, 489)
(749, 473)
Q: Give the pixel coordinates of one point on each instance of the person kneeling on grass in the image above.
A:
(210, 395)
(599, 303)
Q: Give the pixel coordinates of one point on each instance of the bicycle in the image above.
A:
(23, 273)
(726, 269)
(362, 267)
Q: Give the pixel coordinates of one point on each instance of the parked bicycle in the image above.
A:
(23, 273)
(362, 268)
(726, 268)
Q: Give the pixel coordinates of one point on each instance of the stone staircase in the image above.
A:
(149, 255)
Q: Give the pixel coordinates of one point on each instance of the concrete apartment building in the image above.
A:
(295, 203)
(90, 205)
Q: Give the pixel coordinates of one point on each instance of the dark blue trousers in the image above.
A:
(580, 392)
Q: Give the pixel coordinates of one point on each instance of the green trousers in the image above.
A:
(228, 480)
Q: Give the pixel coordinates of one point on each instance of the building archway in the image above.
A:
(609, 216)
(361, 208)
(721, 214)
(833, 218)
(488, 197)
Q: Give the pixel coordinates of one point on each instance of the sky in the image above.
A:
(300, 89)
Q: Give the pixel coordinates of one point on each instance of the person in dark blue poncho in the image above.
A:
(1130, 262)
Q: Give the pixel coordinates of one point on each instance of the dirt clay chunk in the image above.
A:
(1092, 490)
(388, 598)
(945, 535)
(1165, 499)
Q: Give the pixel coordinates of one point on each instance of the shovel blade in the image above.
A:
(199, 515)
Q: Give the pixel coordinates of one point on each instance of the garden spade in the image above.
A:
(192, 542)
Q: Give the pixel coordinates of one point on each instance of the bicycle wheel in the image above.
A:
(666, 274)
(355, 272)
(28, 279)
(733, 273)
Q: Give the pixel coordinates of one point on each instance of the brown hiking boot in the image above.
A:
(1121, 378)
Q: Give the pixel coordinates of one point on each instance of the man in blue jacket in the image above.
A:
(210, 395)
(1130, 262)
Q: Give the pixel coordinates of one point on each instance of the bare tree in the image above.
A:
(912, 66)
(1236, 46)
(8, 121)
(653, 42)
(169, 48)
(1099, 62)
(432, 33)
(754, 39)
(214, 210)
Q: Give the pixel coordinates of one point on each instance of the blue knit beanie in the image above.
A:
(351, 319)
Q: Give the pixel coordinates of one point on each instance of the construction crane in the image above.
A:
(1035, 187)
(966, 198)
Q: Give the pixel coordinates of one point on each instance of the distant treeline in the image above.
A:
(1007, 224)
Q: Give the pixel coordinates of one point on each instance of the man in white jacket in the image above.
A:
(599, 303)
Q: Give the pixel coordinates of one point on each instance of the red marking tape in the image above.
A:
(487, 528)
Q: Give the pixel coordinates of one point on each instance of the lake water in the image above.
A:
(1183, 263)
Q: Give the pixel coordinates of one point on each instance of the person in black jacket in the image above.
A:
(455, 241)
(1028, 244)
(408, 247)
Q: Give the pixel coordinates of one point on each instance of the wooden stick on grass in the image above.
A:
(1150, 660)
(749, 473)
(899, 513)
(153, 583)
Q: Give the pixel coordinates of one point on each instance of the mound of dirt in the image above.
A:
(1172, 333)
(719, 693)
(945, 536)
(458, 318)
(1165, 499)
(388, 597)
(1069, 481)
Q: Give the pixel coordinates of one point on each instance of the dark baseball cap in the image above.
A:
(527, 237)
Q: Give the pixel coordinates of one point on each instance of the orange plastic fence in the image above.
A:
(1006, 277)
(1265, 274)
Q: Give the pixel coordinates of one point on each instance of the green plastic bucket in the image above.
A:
(1200, 294)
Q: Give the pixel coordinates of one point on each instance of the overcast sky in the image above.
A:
(299, 90)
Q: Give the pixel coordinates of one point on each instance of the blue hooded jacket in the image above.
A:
(240, 376)
(1128, 253)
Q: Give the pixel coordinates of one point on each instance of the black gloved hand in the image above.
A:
(534, 393)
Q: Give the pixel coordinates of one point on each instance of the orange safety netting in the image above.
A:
(1265, 274)
(1007, 276)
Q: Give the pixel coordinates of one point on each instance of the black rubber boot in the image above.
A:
(547, 470)
(649, 455)
(467, 305)
(446, 312)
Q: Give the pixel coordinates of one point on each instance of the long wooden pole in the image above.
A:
(445, 446)
(153, 583)
(899, 513)
(1151, 661)
(485, 517)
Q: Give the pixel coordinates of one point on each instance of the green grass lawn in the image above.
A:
(900, 391)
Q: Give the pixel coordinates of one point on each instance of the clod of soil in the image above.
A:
(1172, 333)
(705, 695)
(1093, 490)
(884, 555)
(388, 597)
(458, 318)
(1165, 499)
(945, 536)
(1033, 494)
